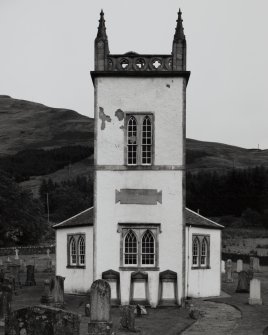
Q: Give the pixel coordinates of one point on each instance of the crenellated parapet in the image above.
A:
(134, 62)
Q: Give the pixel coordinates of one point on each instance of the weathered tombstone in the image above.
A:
(243, 282)
(30, 279)
(222, 266)
(16, 253)
(5, 302)
(100, 300)
(87, 309)
(228, 267)
(46, 297)
(239, 265)
(256, 264)
(48, 253)
(57, 291)
(14, 270)
(127, 321)
(42, 320)
(255, 292)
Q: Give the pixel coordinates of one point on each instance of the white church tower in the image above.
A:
(139, 201)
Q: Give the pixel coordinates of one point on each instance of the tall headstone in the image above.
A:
(30, 278)
(228, 268)
(46, 297)
(255, 292)
(239, 265)
(127, 321)
(222, 266)
(57, 291)
(48, 253)
(14, 269)
(100, 301)
(42, 320)
(243, 282)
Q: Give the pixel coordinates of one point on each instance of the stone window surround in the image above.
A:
(139, 116)
(200, 238)
(139, 229)
(76, 237)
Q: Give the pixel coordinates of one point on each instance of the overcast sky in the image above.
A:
(47, 52)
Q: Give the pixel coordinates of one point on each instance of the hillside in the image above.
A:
(26, 125)
(29, 125)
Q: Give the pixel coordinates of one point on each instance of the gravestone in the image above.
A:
(100, 300)
(254, 264)
(5, 302)
(48, 253)
(239, 265)
(42, 320)
(222, 266)
(243, 282)
(30, 279)
(14, 270)
(228, 269)
(16, 253)
(57, 291)
(46, 297)
(127, 321)
(255, 292)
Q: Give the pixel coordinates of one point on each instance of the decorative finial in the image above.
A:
(102, 29)
(179, 33)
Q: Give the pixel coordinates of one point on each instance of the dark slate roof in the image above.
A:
(196, 220)
(84, 218)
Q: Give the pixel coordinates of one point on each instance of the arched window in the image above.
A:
(196, 252)
(81, 250)
(73, 252)
(204, 253)
(148, 249)
(132, 141)
(146, 141)
(130, 249)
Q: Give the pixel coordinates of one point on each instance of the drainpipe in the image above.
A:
(188, 262)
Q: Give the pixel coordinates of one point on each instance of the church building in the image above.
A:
(139, 236)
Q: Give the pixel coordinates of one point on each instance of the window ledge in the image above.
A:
(139, 268)
(75, 266)
(200, 267)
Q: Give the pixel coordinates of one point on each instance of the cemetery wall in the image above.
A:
(27, 250)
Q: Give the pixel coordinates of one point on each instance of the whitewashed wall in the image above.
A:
(204, 282)
(76, 280)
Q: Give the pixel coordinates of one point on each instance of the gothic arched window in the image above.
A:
(148, 248)
(73, 252)
(196, 252)
(146, 141)
(204, 253)
(81, 250)
(130, 249)
(132, 141)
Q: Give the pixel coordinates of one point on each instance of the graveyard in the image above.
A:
(32, 301)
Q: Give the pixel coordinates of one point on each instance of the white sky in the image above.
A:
(47, 51)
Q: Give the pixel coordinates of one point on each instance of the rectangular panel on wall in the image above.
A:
(138, 196)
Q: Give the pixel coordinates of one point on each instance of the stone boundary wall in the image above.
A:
(234, 257)
(29, 250)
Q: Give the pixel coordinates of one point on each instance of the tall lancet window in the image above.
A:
(148, 249)
(146, 141)
(130, 249)
(132, 141)
(204, 252)
(195, 252)
(73, 252)
(81, 250)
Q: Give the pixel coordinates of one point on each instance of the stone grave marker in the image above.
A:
(100, 301)
(239, 265)
(127, 321)
(42, 320)
(255, 292)
(255, 264)
(222, 266)
(14, 270)
(243, 282)
(46, 297)
(57, 291)
(30, 278)
(228, 269)
(48, 253)
(5, 302)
